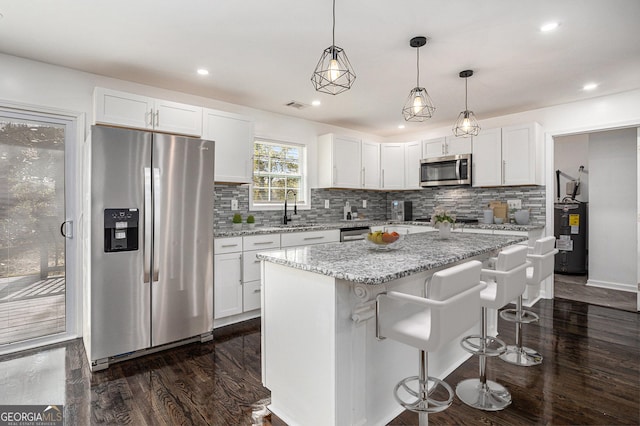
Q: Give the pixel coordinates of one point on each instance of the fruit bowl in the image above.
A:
(380, 240)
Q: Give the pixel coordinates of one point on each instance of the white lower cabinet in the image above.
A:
(227, 279)
(250, 281)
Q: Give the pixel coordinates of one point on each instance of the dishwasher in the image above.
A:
(353, 233)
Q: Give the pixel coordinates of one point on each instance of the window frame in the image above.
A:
(304, 178)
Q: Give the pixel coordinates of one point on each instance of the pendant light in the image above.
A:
(334, 73)
(419, 105)
(466, 125)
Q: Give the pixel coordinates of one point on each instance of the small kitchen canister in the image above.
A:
(487, 216)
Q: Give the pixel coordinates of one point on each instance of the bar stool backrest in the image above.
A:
(542, 260)
(509, 278)
(453, 306)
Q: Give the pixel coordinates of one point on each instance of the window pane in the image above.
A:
(277, 168)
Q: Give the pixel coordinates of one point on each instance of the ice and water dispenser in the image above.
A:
(120, 230)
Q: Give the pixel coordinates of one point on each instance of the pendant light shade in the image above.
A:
(466, 125)
(334, 73)
(419, 106)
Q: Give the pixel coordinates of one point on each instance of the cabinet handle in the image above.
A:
(383, 178)
(335, 174)
(312, 238)
(241, 270)
(443, 150)
(504, 170)
(257, 290)
(150, 113)
(157, 118)
(256, 261)
(363, 175)
(259, 243)
(229, 245)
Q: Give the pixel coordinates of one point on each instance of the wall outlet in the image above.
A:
(364, 204)
(326, 204)
(234, 204)
(514, 204)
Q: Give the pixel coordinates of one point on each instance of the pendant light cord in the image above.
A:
(466, 108)
(418, 67)
(333, 31)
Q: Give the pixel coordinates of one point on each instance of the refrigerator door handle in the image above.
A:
(157, 193)
(146, 244)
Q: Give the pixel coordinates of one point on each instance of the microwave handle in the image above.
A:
(458, 164)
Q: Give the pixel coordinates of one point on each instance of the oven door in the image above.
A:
(449, 170)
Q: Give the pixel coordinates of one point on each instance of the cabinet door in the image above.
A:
(174, 117)
(412, 154)
(392, 165)
(458, 145)
(433, 148)
(227, 285)
(370, 165)
(308, 238)
(122, 109)
(233, 135)
(251, 296)
(346, 162)
(487, 158)
(519, 155)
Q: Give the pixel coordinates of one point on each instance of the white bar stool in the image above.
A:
(541, 256)
(450, 308)
(504, 284)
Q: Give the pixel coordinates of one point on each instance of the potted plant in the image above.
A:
(237, 222)
(251, 221)
(443, 222)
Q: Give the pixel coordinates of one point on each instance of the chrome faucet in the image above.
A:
(286, 218)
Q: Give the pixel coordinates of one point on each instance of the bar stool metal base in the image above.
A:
(523, 356)
(418, 404)
(524, 317)
(490, 396)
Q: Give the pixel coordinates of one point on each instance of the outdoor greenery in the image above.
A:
(277, 167)
(32, 194)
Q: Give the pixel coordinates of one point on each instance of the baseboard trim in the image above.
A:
(612, 286)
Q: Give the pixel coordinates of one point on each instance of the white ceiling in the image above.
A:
(262, 53)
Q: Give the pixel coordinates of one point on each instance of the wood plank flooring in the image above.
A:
(573, 287)
(590, 376)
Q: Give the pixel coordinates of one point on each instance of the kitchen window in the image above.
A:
(277, 168)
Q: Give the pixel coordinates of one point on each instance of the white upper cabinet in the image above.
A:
(509, 156)
(370, 165)
(392, 165)
(522, 155)
(449, 145)
(486, 158)
(412, 156)
(233, 137)
(339, 162)
(142, 112)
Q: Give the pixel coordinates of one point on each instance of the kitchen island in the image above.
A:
(320, 358)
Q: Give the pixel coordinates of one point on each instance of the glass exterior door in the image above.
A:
(32, 211)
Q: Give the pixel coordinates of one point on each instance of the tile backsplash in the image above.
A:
(464, 201)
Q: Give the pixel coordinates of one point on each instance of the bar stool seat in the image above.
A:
(504, 283)
(428, 323)
(541, 257)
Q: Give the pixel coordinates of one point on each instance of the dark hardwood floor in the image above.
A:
(590, 376)
(574, 287)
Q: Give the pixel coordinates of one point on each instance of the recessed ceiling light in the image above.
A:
(400, 126)
(203, 71)
(549, 26)
(316, 103)
(589, 86)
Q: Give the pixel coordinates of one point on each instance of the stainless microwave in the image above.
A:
(448, 170)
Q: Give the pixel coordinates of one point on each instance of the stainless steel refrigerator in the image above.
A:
(151, 242)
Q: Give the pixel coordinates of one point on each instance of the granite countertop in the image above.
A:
(299, 227)
(356, 262)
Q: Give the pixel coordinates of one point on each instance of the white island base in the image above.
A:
(320, 357)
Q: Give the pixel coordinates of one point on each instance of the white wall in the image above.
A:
(571, 152)
(613, 250)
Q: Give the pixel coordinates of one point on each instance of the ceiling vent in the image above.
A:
(296, 105)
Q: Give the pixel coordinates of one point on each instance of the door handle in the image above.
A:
(147, 224)
(63, 229)
(458, 162)
(157, 194)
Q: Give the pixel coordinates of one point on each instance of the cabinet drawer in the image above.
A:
(261, 242)
(227, 245)
(309, 238)
(250, 266)
(251, 296)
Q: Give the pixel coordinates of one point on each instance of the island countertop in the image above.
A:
(356, 262)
